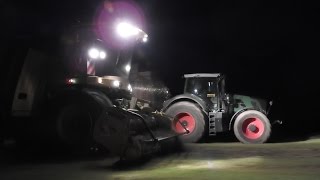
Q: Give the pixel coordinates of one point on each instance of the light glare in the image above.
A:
(130, 88)
(128, 68)
(116, 83)
(100, 80)
(102, 55)
(145, 38)
(126, 30)
(71, 81)
(93, 53)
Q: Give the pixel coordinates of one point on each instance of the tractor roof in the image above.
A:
(202, 75)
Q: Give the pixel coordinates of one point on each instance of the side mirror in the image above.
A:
(270, 103)
(226, 98)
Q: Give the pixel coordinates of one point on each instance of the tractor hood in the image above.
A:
(247, 102)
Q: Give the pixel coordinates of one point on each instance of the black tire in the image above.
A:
(193, 110)
(252, 127)
(73, 122)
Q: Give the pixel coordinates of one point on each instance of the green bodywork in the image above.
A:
(246, 102)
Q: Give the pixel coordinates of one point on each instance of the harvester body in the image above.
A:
(57, 102)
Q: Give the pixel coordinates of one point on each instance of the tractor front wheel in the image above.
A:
(187, 115)
(252, 127)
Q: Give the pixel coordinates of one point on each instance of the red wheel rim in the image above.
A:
(187, 120)
(253, 128)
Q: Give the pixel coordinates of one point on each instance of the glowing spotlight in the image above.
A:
(102, 55)
(93, 53)
(145, 38)
(116, 83)
(130, 88)
(100, 80)
(128, 68)
(126, 30)
(71, 81)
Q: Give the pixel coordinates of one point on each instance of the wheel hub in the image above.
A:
(184, 121)
(253, 128)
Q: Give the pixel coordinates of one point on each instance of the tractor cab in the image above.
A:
(205, 109)
(208, 87)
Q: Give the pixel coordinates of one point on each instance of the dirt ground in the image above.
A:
(293, 160)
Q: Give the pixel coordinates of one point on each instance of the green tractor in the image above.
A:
(204, 109)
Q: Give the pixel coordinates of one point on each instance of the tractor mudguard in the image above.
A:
(244, 103)
(235, 116)
(186, 97)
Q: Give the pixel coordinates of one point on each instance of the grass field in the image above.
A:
(298, 160)
(294, 160)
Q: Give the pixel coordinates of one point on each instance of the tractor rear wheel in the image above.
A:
(191, 117)
(252, 127)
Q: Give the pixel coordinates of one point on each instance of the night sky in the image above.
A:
(267, 49)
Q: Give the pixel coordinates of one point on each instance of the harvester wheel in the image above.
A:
(75, 123)
(252, 127)
(74, 120)
(191, 117)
